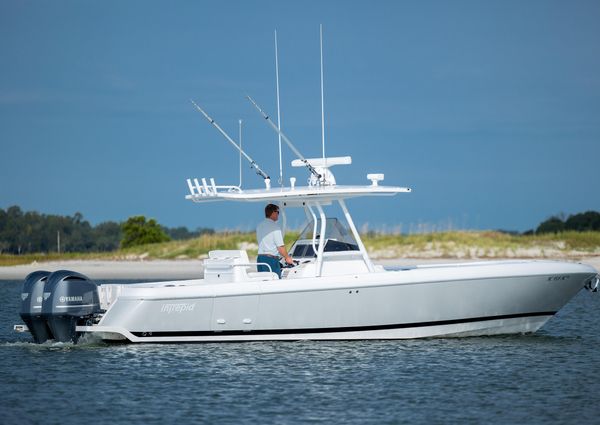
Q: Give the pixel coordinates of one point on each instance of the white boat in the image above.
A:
(333, 292)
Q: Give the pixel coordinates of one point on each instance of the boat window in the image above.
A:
(303, 249)
(333, 246)
(337, 236)
(310, 252)
(298, 250)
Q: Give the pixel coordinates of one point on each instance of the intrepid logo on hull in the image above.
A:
(555, 278)
(177, 308)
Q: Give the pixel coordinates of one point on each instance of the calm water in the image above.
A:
(550, 377)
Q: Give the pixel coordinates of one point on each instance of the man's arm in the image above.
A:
(283, 252)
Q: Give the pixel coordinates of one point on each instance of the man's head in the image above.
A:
(272, 212)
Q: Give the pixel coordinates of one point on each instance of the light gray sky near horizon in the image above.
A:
(490, 111)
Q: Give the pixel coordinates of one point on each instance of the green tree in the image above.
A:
(137, 231)
(182, 232)
(107, 236)
(589, 220)
(552, 225)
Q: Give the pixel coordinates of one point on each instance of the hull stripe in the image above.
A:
(339, 329)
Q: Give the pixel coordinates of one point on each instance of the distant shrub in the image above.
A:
(182, 233)
(582, 222)
(137, 231)
(589, 220)
(552, 225)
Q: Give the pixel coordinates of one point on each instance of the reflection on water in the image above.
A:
(549, 377)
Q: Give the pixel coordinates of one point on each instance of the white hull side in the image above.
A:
(470, 300)
(479, 328)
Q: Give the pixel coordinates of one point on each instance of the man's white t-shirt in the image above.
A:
(269, 237)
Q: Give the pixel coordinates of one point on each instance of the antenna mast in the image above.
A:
(253, 164)
(240, 123)
(322, 101)
(286, 140)
(278, 113)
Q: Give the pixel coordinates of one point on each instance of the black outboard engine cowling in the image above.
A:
(31, 305)
(69, 299)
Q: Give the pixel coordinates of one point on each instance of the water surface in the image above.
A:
(549, 377)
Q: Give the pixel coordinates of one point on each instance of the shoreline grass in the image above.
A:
(484, 244)
(457, 244)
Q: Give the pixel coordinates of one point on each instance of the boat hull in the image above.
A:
(479, 327)
(434, 301)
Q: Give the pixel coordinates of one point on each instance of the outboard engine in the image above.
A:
(31, 305)
(69, 299)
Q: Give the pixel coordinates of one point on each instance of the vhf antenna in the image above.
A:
(278, 113)
(322, 101)
(286, 140)
(253, 163)
(240, 122)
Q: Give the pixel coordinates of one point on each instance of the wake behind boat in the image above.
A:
(333, 291)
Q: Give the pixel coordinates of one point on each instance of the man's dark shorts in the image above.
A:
(271, 261)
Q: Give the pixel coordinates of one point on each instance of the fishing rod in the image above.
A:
(253, 163)
(286, 140)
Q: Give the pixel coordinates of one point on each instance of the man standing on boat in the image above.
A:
(270, 242)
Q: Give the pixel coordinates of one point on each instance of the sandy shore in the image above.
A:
(178, 269)
(104, 269)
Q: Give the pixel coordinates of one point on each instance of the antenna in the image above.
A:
(253, 164)
(240, 123)
(322, 102)
(286, 140)
(278, 113)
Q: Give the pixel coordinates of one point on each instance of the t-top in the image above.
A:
(269, 236)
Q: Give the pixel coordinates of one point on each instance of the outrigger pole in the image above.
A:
(253, 163)
(286, 140)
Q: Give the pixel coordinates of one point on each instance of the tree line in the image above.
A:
(582, 222)
(31, 232)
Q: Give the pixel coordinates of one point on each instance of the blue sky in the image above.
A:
(490, 111)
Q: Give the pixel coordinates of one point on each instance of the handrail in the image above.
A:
(314, 217)
(253, 264)
(321, 238)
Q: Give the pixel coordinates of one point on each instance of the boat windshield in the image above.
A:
(337, 238)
